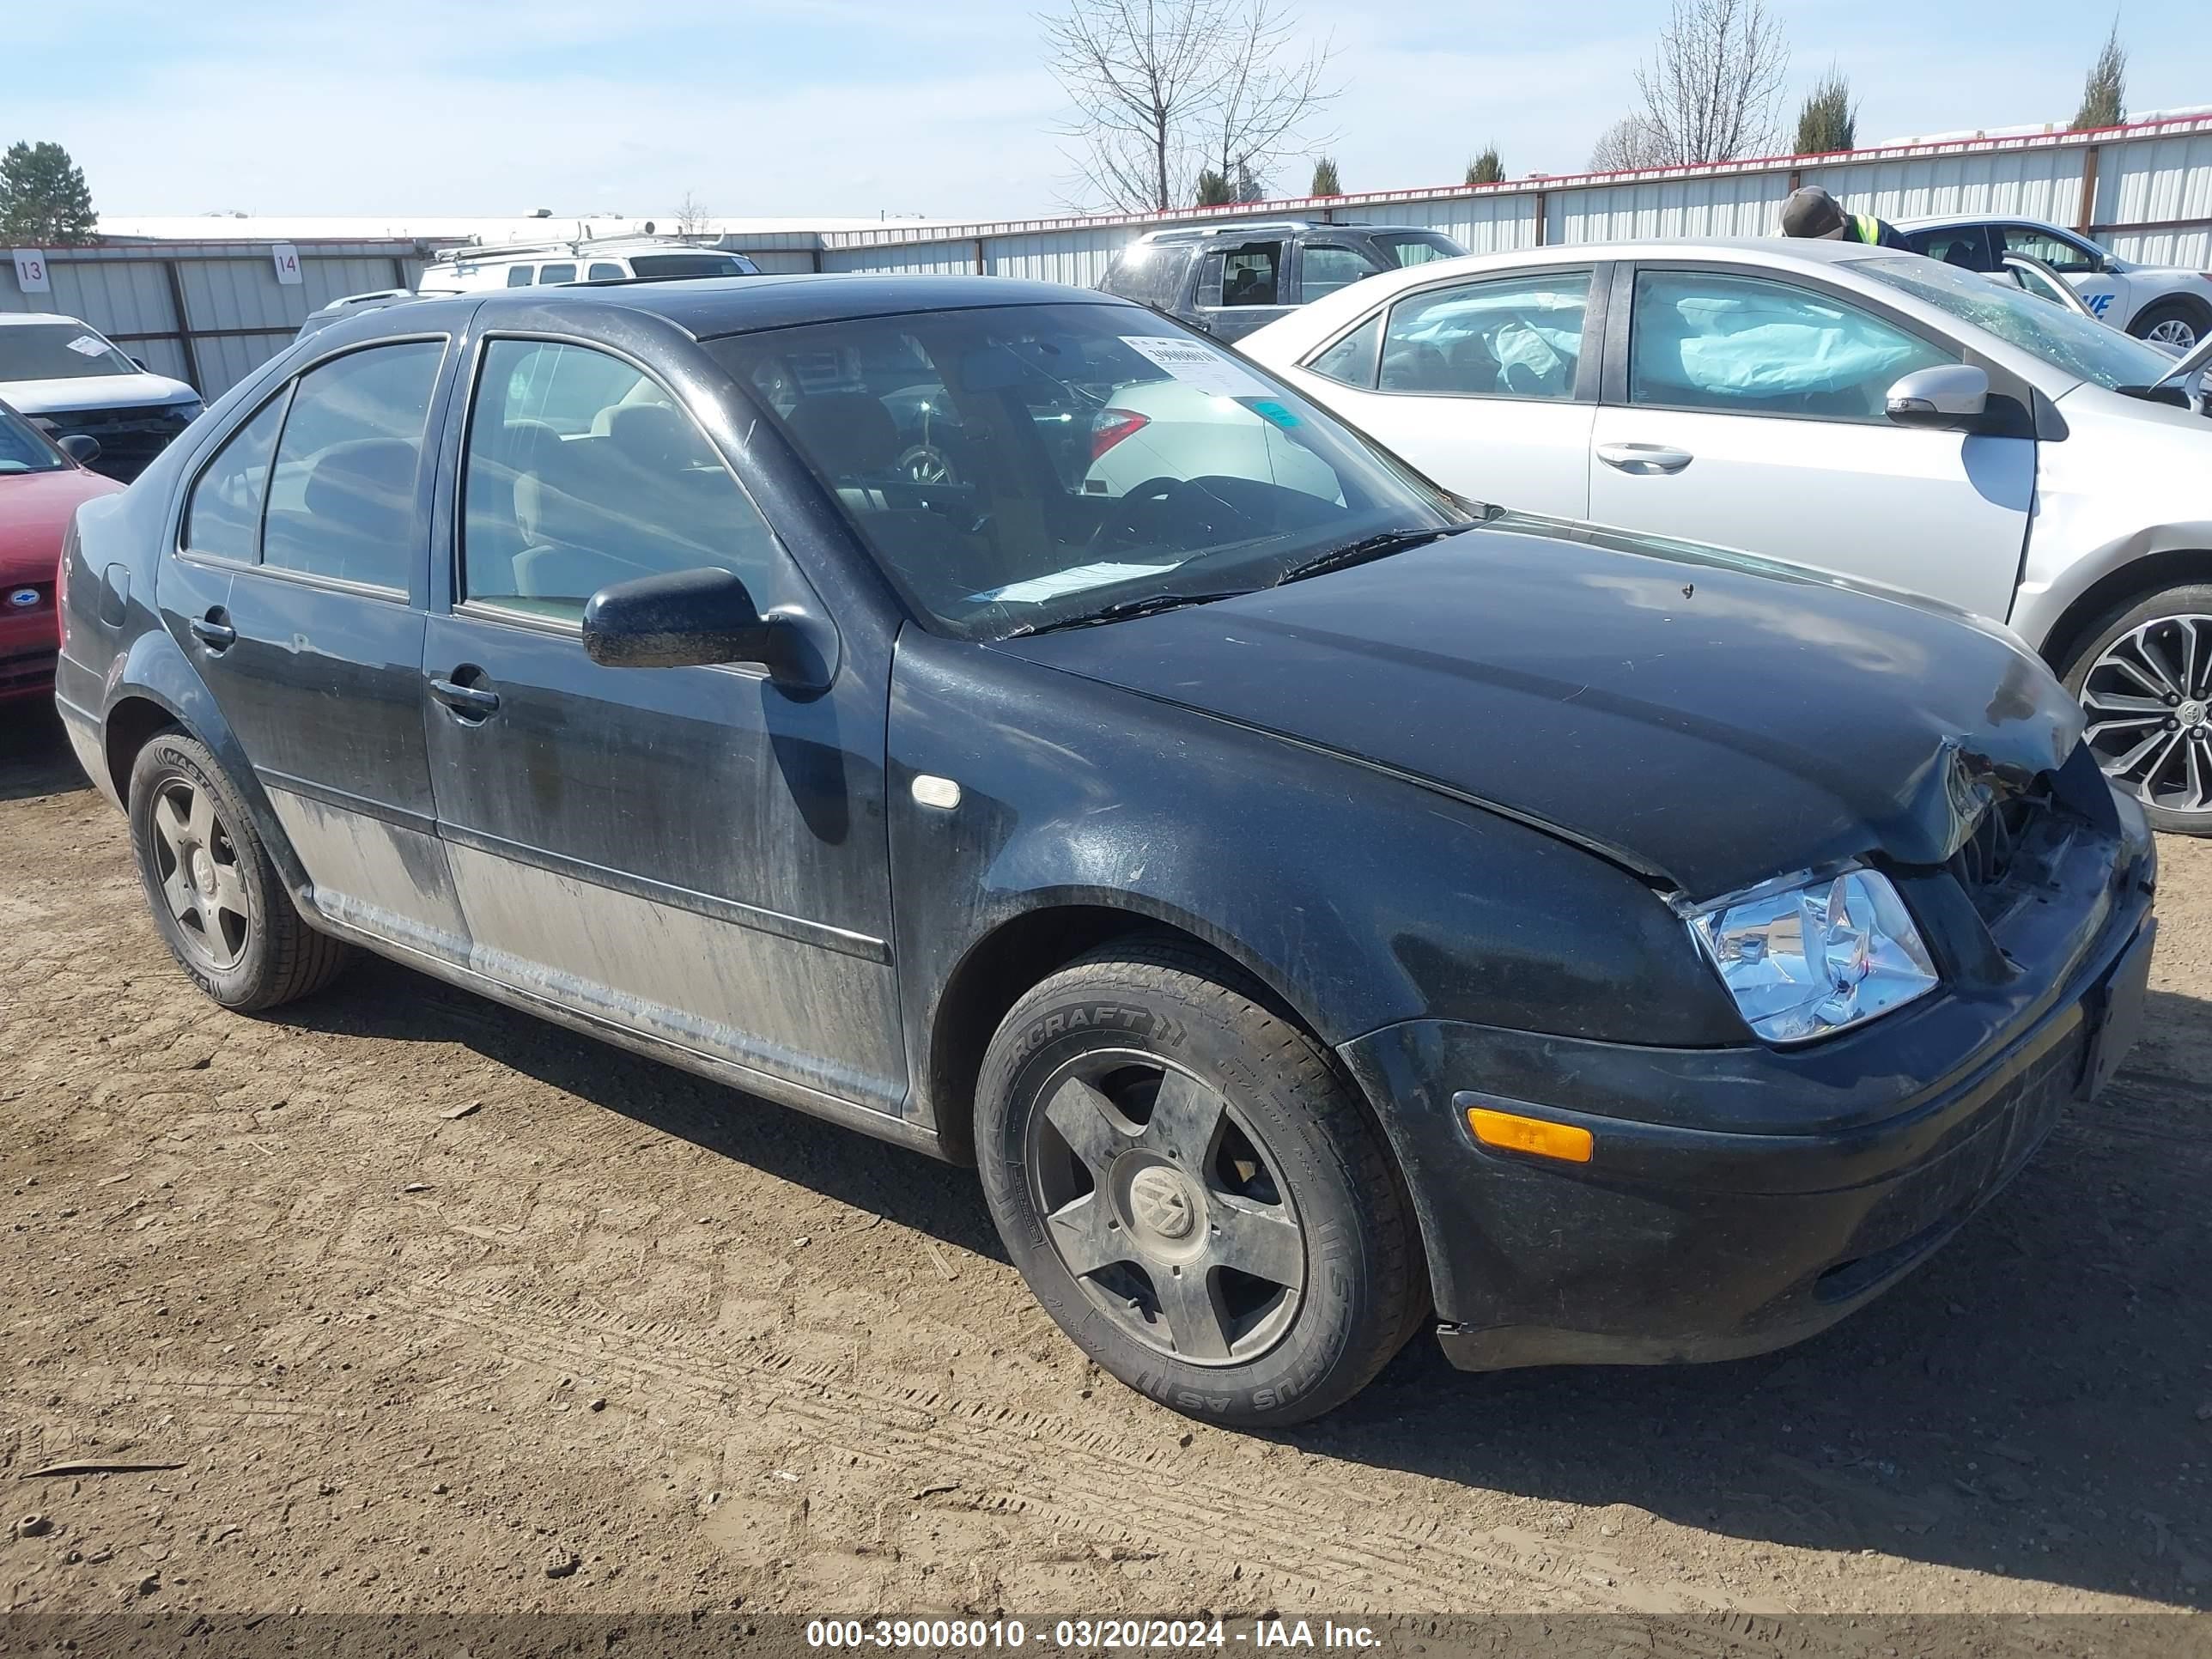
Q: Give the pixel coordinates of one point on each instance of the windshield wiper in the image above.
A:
(1370, 547)
(1122, 610)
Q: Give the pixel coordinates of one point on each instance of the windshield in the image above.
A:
(685, 265)
(1417, 247)
(23, 449)
(58, 351)
(2085, 348)
(1012, 468)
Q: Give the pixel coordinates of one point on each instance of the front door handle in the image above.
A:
(1644, 459)
(471, 702)
(215, 632)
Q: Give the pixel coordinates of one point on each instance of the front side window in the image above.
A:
(1743, 345)
(1325, 267)
(1019, 467)
(342, 487)
(58, 351)
(1250, 275)
(1417, 247)
(580, 471)
(223, 517)
(1506, 337)
(2081, 346)
(2061, 253)
(23, 448)
(561, 273)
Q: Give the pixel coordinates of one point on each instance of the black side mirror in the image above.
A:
(139, 363)
(80, 446)
(686, 619)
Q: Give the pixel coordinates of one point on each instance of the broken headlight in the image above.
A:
(1807, 958)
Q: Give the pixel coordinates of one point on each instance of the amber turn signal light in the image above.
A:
(1517, 1134)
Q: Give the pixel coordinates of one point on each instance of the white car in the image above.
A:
(2152, 302)
(1854, 408)
(465, 270)
(70, 378)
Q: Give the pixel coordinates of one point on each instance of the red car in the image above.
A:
(41, 484)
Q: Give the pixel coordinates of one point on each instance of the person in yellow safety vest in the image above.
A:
(1812, 212)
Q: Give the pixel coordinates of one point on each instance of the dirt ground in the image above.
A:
(404, 1301)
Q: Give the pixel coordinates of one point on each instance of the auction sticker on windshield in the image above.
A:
(1199, 365)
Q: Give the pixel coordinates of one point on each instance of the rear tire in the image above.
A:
(215, 893)
(1192, 1190)
(2172, 322)
(2143, 676)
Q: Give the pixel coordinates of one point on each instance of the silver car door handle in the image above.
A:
(1645, 458)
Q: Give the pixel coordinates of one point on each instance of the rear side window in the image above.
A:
(1509, 337)
(1352, 360)
(521, 275)
(1251, 276)
(1748, 346)
(223, 517)
(602, 272)
(1967, 247)
(341, 489)
(580, 471)
(563, 273)
(1148, 275)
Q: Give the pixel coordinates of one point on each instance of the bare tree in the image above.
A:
(1267, 93)
(1710, 93)
(2104, 92)
(1165, 88)
(690, 216)
(1630, 143)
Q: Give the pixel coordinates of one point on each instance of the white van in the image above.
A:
(464, 269)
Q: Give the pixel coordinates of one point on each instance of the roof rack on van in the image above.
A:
(574, 247)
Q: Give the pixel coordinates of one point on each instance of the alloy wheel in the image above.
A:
(2173, 331)
(198, 863)
(2149, 700)
(1165, 1208)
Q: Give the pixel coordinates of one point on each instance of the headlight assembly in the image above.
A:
(1809, 958)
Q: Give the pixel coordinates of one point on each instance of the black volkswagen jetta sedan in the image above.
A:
(1313, 901)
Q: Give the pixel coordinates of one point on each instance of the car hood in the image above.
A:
(65, 396)
(1710, 719)
(35, 512)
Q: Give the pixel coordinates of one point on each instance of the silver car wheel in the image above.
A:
(199, 875)
(2149, 700)
(1163, 1205)
(2173, 331)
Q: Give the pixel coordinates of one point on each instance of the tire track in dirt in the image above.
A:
(1095, 1487)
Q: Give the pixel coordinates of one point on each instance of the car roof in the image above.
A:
(1253, 227)
(708, 307)
(1952, 220)
(7, 316)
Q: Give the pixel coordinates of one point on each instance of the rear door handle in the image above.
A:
(470, 702)
(213, 632)
(1645, 459)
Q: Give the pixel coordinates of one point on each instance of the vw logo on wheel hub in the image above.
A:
(1161, 1203)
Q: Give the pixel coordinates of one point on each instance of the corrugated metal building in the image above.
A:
(208, 312)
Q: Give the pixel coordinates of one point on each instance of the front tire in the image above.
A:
(2176, 322)
(2143, 676)
(215, 896)
(1192, 1190)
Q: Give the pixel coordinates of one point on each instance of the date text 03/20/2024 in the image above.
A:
(1148, 1634)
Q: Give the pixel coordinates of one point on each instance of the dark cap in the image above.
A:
(1810, 212)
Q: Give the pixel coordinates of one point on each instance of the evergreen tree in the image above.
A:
(2104, 93)
(43, 202)
(1213, 190)
(1325, 181)
(1830, 119)
(1486, 168)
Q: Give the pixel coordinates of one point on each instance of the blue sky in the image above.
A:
(854, 107)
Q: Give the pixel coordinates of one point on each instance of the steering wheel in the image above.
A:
(1138, 509)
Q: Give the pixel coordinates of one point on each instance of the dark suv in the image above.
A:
(1312, 900)
(1231, 279)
